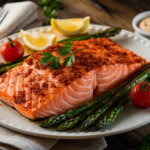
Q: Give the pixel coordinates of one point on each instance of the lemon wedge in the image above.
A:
(72, 26)
(38, 41)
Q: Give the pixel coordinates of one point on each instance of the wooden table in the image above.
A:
(121, 15)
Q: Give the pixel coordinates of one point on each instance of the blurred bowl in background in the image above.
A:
(136, 20)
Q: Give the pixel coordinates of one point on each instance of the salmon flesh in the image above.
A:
(36, 91)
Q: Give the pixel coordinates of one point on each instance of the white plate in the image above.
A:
(130, 118)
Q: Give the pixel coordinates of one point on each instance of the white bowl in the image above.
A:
(136, 21)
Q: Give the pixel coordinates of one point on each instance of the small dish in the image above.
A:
(136, 21)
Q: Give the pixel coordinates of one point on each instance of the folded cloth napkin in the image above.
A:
(20, 14)
(27, 21)
(88, 144)
(10, 140)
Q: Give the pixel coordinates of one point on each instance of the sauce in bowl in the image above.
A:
(144, 25)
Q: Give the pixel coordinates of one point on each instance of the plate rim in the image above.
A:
(86, 135)
(73, 135)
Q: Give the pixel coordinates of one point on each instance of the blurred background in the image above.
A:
(121, 12)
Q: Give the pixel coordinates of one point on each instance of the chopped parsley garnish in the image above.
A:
(65, 50)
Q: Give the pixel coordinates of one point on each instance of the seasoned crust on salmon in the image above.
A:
(36, 91)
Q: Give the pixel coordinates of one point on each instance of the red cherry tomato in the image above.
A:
(12, 50)
(140, 94)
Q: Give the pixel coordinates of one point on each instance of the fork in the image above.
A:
(3, 14)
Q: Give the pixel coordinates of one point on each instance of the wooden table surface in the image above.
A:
(121, 15)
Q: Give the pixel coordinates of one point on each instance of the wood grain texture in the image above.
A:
(121, 11)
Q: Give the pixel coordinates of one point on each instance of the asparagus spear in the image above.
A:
(73, 38)
(7, 68)
(124, 91)
(13, 62)
(107, 120)
(74, 112)
(73, 122)
(106, 33)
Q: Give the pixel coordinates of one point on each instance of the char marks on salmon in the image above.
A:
(36, 91)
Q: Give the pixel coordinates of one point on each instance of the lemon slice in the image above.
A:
(71, 27)
(38, 41)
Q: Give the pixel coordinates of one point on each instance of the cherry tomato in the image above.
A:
(140, 94)
(12, 50)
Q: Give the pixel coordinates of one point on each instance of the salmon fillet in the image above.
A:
(36, 91)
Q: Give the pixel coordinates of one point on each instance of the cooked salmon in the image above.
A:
(36, 91)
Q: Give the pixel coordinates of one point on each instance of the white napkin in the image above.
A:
(88, 144)
(27, 21)
(20, 14)
(10, 140)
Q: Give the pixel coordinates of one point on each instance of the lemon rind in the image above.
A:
(72, 33)
(51, 40)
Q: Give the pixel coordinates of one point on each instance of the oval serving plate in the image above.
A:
(130, 118)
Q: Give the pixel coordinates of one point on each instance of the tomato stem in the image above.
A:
(143, 86)
(11, 43)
